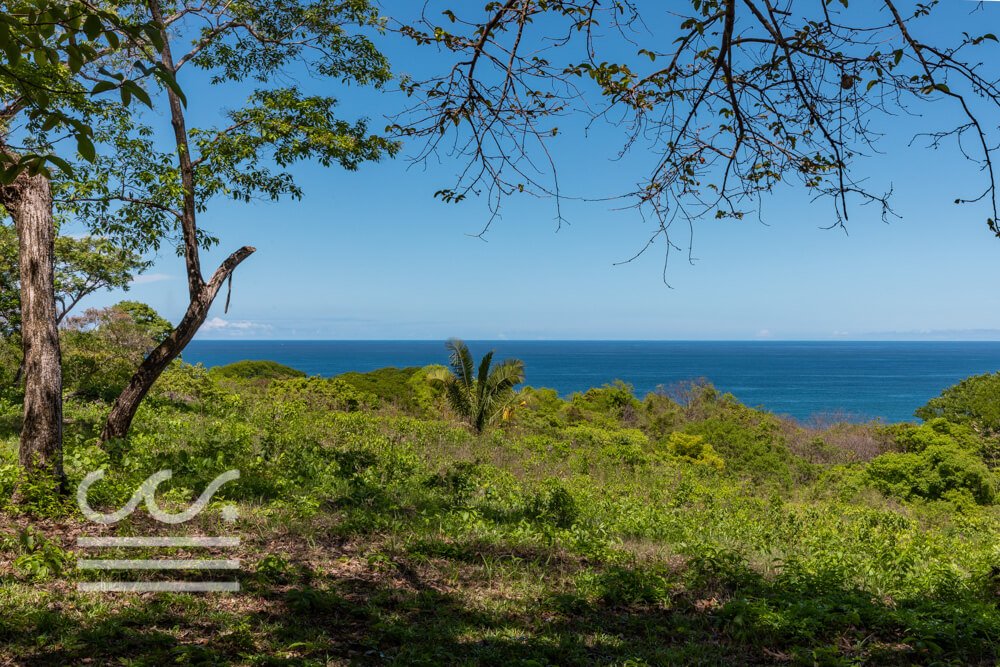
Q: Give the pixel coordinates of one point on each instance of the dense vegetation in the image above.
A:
(677, 528)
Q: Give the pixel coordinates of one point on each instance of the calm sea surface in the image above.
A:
(863, 380)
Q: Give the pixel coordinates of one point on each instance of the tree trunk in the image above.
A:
(125, 406)
(28, 200)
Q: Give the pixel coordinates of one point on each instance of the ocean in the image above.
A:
(854, 380)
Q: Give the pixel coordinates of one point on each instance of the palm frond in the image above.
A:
(460, 360)
(440, 374)
(506, 375)
(483, 377)
(459, 400)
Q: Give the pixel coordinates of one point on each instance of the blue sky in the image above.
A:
(372, 255)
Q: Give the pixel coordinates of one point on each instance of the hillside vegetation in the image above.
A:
(376, 528)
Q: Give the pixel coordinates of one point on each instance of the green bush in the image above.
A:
(183, 384)
(660, 415)
(256, 370)
(932, 474)
(628, 446)
(406, 388)
(554, 505)
(611, 405)
(939, 431)
(694, 449)
(750, 443)
(326, 393)
(974, 401)
(101, 349)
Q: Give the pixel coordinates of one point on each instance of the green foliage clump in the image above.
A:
(750, 443)
(147, 319)
(694, 449)
(936, 472)
(10, 360)
(611, 405)
(256, 369)
(974, 401)
(326, 393)
(543, 410)
(624, 446)
(102, 348)
(554, 505)
(661, 415)
(38, 558)
(407, 388)
(937, 431)
(186, 384)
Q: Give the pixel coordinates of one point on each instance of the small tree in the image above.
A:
(270, 45)
(83, 266)
(101, 347)
(479, 399)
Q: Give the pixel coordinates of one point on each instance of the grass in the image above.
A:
(382, 532)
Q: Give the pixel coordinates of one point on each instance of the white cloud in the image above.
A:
(233, 326)
(145, 278)
(764, 333)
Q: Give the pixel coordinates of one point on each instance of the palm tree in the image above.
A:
(482, 399)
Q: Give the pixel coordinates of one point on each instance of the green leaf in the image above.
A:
(102, 87)
(63, 165)
(9, 45)
(92, 27)
(85, 147)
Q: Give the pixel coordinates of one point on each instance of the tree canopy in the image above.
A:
(84, 265)
(56, 56)
(730, 98)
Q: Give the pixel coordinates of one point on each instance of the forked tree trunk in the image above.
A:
(125, 406)
(201, 294)
(28, 200)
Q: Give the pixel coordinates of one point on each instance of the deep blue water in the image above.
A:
(862, 380)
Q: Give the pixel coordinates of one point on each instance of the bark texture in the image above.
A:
(28, 200)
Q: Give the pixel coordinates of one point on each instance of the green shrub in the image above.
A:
(750, 443)
(694, 449)
(543, 409)
(660, 414)
(611, 405)
(10, 359)
(184, 385)
(256, 370)
(39, 559)
(931, 474)
(323, 393)
(974, 401)
(939, 431)
(390, 385)
(102, 348)
(554, 505)
(628, 446)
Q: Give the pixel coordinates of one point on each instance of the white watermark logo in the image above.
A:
(147, 493)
